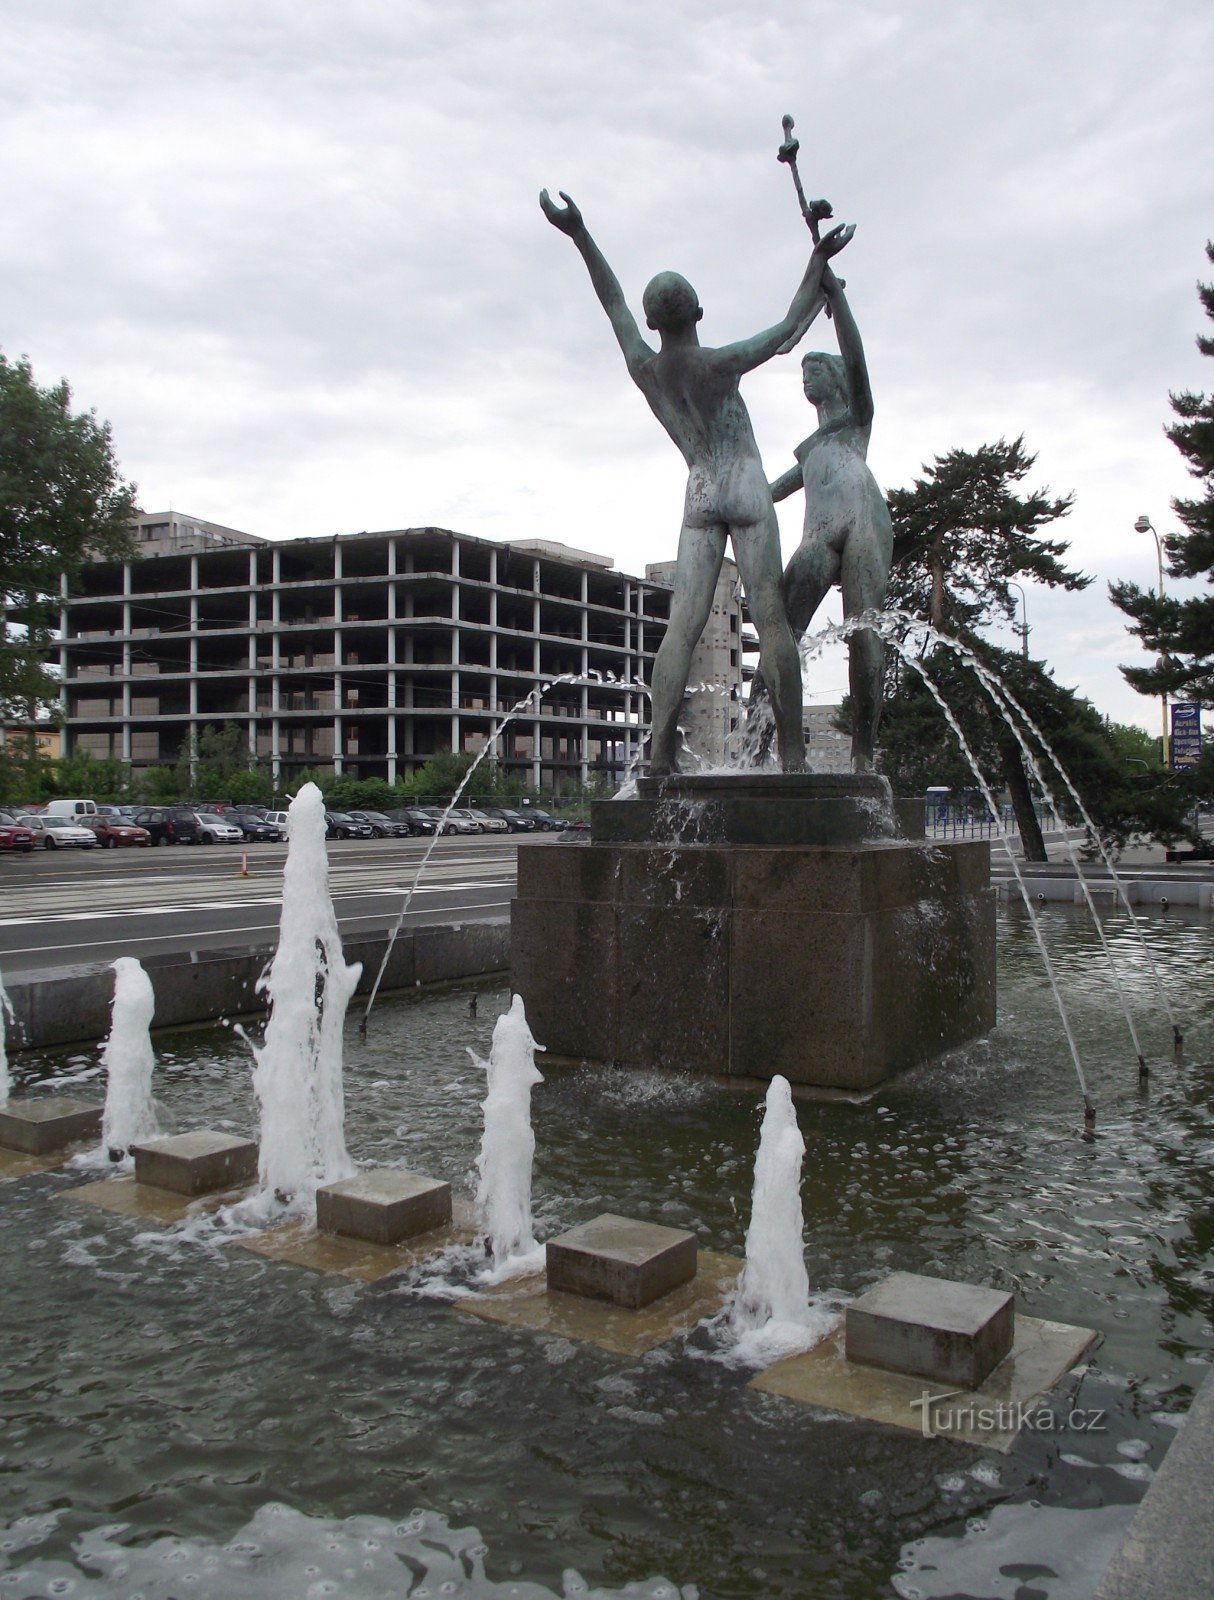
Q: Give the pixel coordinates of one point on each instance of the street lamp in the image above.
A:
(1143, 524)
(1023, 629)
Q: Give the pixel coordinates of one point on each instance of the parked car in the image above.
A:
(451, 822)
(489, 821)
(213, 829)
(254, 827)
(382, 825)
(465, 814)
(114, 831)
(417, 820)
(516, 821)
(170, 824)
(341, 825)
(281, 821)
(62, 833)
(15, 834)
(544, 820)
(70, 808)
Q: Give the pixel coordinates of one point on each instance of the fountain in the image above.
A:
(129, 1061)
(298, 1075)
(503, 1194)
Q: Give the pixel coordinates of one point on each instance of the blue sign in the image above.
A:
(1186, 736)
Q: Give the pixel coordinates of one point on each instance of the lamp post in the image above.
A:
(1143, 524)
(1023, 629)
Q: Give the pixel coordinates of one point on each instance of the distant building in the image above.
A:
(363, 654)
(712, 707)
(826, 749)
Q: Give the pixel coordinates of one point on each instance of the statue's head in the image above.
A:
(822, 376)
(671, 303)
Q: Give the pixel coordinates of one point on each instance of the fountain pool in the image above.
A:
(157, 1387)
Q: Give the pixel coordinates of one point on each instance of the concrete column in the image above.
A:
(535, 755)
(276, 748)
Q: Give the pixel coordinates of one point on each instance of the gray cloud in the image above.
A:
(293, 253)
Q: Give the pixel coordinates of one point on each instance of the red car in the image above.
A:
(113, 831)
(14, 835)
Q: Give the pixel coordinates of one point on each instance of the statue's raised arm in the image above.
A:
(809, 299)
(568, 220)
(851, 351)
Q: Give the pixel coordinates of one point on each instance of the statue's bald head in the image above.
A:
(671, 303)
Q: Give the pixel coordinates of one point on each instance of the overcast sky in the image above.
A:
(292, 252)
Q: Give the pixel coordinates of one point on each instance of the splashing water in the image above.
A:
(771, 1315)
(503, 1194)
(6, 1016)
(129, 1061)
(298, 1073)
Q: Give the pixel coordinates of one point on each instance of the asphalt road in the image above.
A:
(61, 908)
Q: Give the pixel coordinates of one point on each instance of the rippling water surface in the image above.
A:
(181, 1418)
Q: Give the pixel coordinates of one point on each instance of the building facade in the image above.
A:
(826, 749)
(365, 654)
(712, 712)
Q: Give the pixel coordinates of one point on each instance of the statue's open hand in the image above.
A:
(567, 217)
(835, 240)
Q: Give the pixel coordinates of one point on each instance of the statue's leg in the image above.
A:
(865, 579)
(695, 581)
(807, 580)
(757, 551)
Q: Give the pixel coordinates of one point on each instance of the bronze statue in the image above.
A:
(693, 391)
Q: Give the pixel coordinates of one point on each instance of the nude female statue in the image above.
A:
(847, 538)
(693, 391)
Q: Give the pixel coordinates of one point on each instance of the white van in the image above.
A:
(70, 808)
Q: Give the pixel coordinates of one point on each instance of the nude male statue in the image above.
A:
(848, 538)
(692, 389)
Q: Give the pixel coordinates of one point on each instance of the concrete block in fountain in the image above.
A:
(952, 1333)
(196, 1163)
(618, 1259)
(36, 1126)
(383, 1205)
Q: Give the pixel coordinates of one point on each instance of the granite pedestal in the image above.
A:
(618, 1259)
(754, 926)
(195, 1163)
(37, 1126)
(383, 1205)
(949, 1332)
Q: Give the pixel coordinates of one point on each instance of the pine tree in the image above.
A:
(1181, 632)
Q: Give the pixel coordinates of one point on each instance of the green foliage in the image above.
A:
(61, 502)
(1133, 745)
(1181, 632)
(157, 786)
(224, 768)
(84, 776)
(964, 532)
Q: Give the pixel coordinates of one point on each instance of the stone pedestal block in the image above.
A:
(614, 1258)
(36, 1126)
(832, 964)
(195, 1163)
(950, 1333)
(383, 1205)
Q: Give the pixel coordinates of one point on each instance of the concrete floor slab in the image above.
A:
(301, 1245)
(16, 1164)
(990, 1416)
(126, 1198)
(527, 1303)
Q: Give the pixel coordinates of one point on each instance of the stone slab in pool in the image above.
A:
(37, 1126)
(124, 1197)
(934, 1328)
(383, 1205)
(16, 1164)
(301, 1245)
(528, 1303)
(991, 1415)
(620, 1259)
